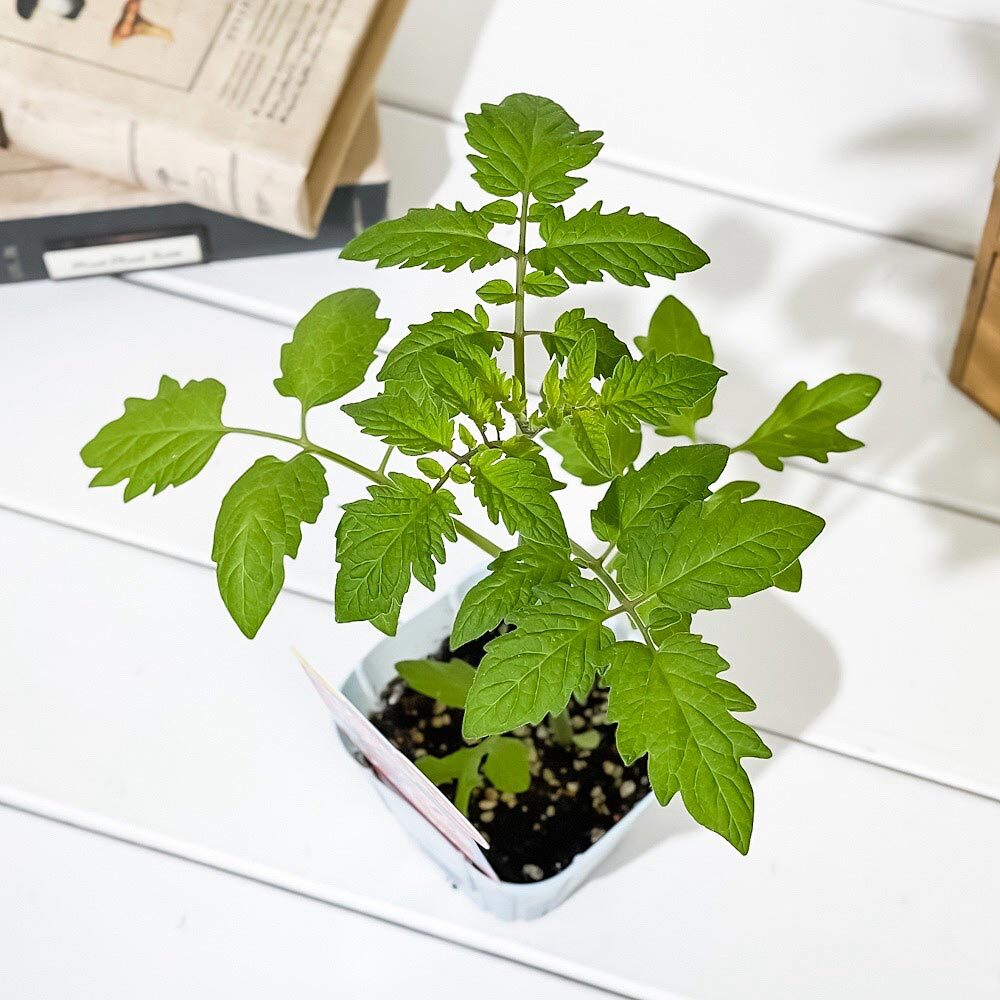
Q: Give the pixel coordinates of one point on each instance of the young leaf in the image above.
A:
(571, 326)
(653, 389)
(457, 387)
(497, 292)
(580, 364)
(790, 578)
(606, 445)
(430, 238)
(502, 212)
(504, 760)
(431, 468)
(396, 416)
(805, 421)
(447, 682)
(259, 524)
(646, 501)
(515, 489)
(441, 334)
(734, 492)
(159, 442)
(712, 553)
(514, 577)
(382, 541)
(485, 371)
(627, 247)
(672, 705)
(554, 651)
(551, 389)
(673, 329)
(545, 286)
(528, 144)
(331, 348)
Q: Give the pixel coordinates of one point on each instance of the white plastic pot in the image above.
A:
(419, 637)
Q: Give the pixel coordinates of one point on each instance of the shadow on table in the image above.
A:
(785, 664)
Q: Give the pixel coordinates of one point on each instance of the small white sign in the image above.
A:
(402, 775)
(116, 258)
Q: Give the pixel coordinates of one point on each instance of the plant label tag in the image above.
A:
(400, 774)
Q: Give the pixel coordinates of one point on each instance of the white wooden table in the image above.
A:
(174, 812)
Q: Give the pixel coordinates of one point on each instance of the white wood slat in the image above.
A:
(89, 917)
(785, 298)
(125, 705)
(871, 115)
(898, 600)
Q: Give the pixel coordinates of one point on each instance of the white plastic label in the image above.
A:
(116, 258)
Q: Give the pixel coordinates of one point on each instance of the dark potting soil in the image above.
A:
(575, 796)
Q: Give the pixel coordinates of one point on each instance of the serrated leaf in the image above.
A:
(514, 577)
(805, 422)
(672, 705)
(580, 364)
(431, 468)
(528, 144)
(502, 759)
(159, 442)
(502, 212)
(654, 389)
(383, 541)
(606, 445)
(555, 650)
(485, 371)
(457, 388)
(551, 388)
(673, 329)
(447, 682)
(441, 334)
(613, 446)
(414, 426)
(712, 553)
(545, 286)
(497, 292)
(429, 238)
(332, 347)
(259, 525)
(571, 326)
(516, 490)
(644, 503)
(627, 247)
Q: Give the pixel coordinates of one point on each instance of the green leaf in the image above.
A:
(514, 577)
(571, 326)
(259, 524)
(528, 144)
(466, 437)
(580, 364)
(382, 541)
(606, 445)
(790, 578)
(734, 492)
(430, 238)
(805, 421)
(447, 682)
(332, 347)
(672, 705)
(516, 490)
(627, 247)
(431, 468)
(502, 212)
(459, 474)
(645, 502)
(504, 760)
(458, 388)
(552, 388)
(443, 333)
(673, 329)
(414, 426)
(159, 442)
(712, 553)
(614, 447)
(497, 292)
(555, 650)
(485, 371)
(653, 389)
(545, 286)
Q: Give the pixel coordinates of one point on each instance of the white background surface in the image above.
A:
(836, 164)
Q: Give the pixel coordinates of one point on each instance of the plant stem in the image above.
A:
(385, 458)
(519, 292)
(372, 475)
(626, 607)
(562, 728)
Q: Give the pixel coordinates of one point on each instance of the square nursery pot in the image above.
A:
(422, 636)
